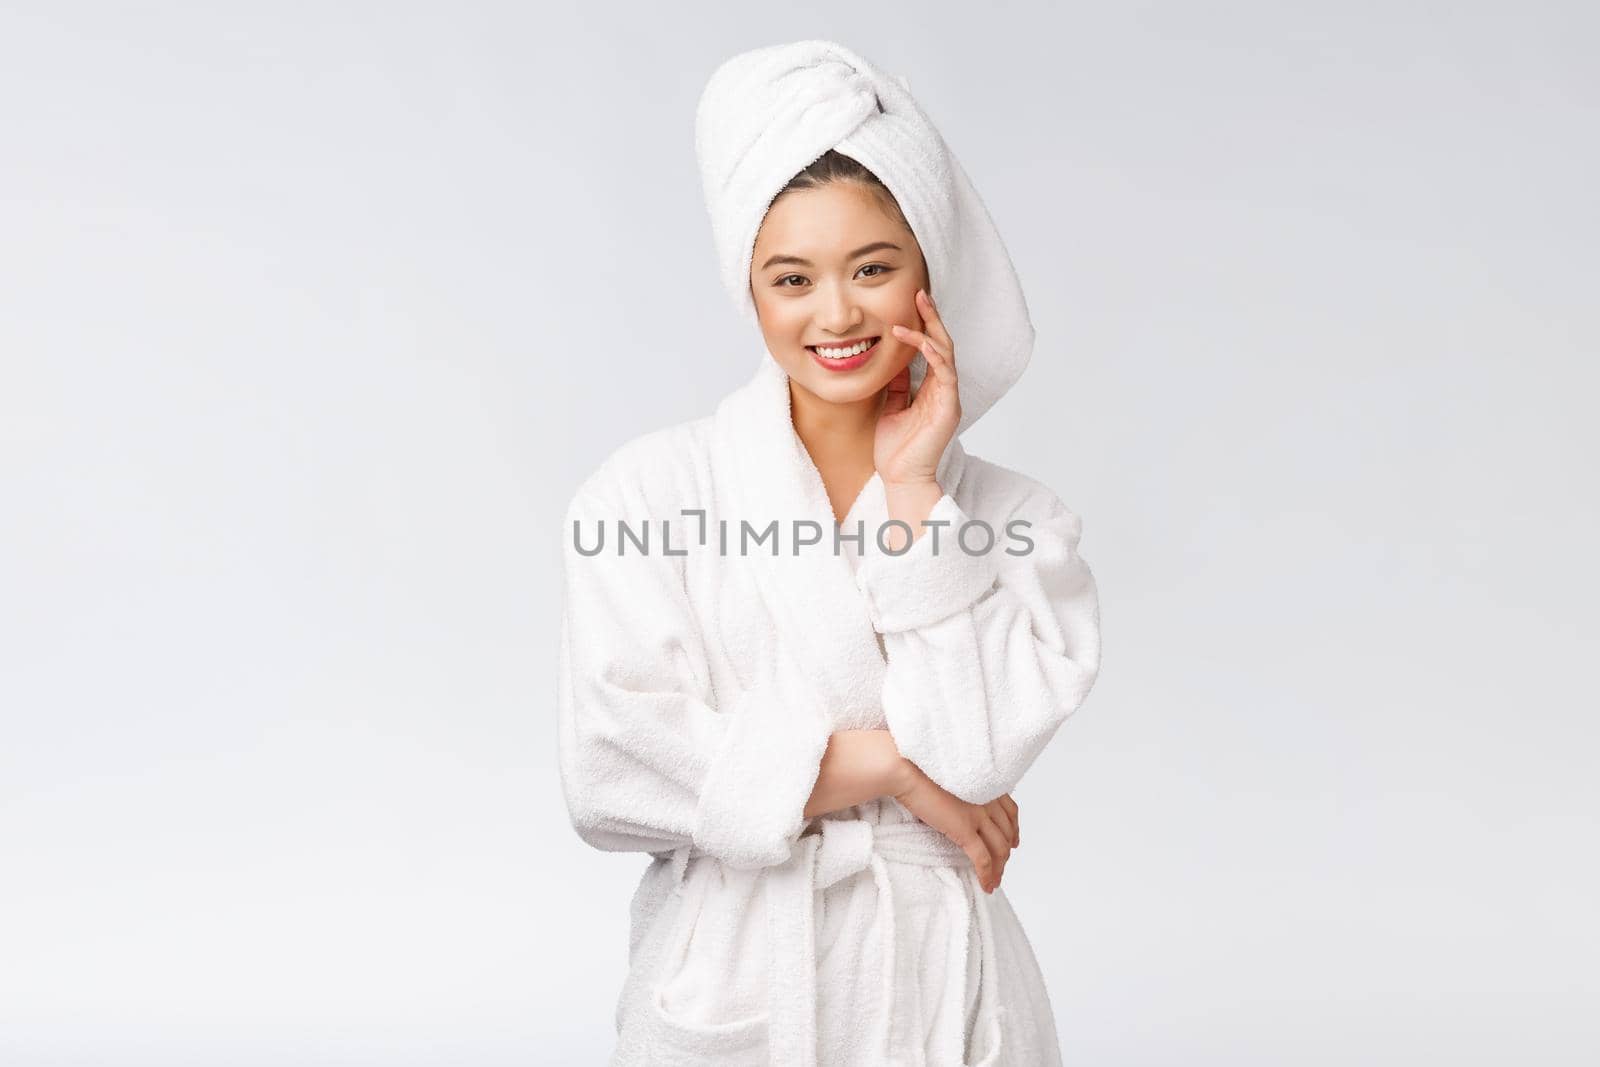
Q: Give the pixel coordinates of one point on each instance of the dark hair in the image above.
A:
(834, 166)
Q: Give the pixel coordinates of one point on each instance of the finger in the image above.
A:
(998, 846)
(906, 335)
(940, 358)
(934, 350)
(940, 369)
(977, 850)
(941, 372)
(932, 319)
(1003, 819)
(1016, 820)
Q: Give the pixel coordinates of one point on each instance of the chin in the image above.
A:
(839, 389)
(844, 388)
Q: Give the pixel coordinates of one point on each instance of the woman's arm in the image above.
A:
(650, 760)
(988, 653)
(858, 766)
(863, 765)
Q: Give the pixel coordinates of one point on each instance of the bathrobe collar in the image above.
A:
(812, 596)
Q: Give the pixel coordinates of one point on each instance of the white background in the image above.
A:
(312, 317)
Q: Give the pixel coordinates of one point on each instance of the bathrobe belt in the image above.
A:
(822, 857)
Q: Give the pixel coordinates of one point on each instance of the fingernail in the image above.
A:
(898, 329)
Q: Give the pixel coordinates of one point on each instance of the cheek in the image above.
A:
(898, 307)
(779, 318)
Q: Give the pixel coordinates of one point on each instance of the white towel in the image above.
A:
(767, 114)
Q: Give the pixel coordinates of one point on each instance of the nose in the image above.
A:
(837, 312)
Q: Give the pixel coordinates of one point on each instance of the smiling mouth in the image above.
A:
(845, 352)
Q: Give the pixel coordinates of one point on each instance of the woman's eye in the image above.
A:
(783, 282)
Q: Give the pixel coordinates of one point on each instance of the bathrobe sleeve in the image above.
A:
(988, 653)
(649, 760)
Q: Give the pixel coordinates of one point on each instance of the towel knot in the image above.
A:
(848, 845)
(846, 849)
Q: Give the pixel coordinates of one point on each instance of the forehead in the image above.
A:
(831, 219)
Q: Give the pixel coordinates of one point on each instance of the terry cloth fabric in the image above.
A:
(699, 686)
(767, 114)
(698, 691)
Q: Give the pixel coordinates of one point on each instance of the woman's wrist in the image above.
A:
(911, 502)
(858, 766)
(891, 773)
(898, 773)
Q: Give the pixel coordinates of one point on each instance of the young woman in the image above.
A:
(809, 643)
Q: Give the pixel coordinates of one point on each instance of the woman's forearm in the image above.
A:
(858, 766)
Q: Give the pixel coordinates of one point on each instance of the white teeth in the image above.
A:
(844, 353)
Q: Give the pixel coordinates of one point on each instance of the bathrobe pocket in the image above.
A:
(707, 1003)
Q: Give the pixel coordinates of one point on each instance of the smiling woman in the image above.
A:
(818, 752)
(826, 300)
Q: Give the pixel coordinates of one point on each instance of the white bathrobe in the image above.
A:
(697, 693)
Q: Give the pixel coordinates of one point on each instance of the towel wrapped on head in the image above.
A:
(767, 114)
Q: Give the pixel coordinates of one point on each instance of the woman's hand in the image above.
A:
(857, 766)
(985, 832)
(912, 434)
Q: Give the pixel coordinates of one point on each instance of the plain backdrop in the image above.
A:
(313, 316)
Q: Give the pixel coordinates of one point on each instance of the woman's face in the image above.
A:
(831, 267)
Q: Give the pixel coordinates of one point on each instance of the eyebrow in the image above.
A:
(863, 250)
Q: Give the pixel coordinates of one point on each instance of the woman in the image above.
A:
(818, 643)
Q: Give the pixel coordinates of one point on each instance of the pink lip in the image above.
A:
(846, 364)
